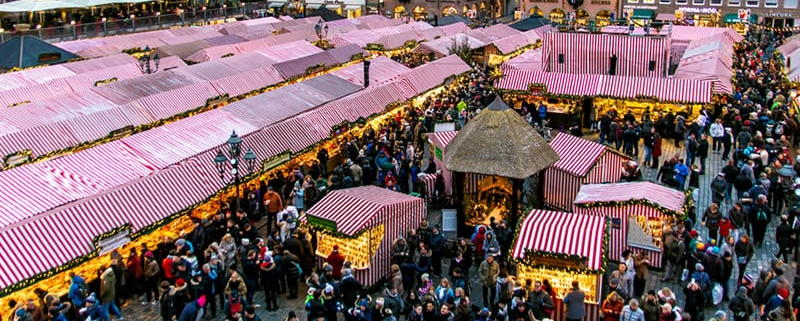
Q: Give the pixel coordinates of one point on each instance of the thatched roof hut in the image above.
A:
(499, 142)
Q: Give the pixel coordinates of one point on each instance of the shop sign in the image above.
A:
(537, 89)
(744, 15)
(17, 158)
(698, 10)
(546, 1)
(322, 223)
(601, 2)
(550, 261)
(122, 132)
(113, 241)
(438, 152)
(639, 7)
(277, 160)
(780, 15)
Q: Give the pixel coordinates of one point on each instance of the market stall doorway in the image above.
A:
(449, 11)
(557, 15)
(536, 12)
(399, 12)
(419, 12)
(492, 198)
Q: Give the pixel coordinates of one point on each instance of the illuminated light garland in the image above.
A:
(105, 81)
(230, 54)
(632, 202)
(21, 103)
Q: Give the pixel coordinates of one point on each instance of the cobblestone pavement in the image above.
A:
(135, 311)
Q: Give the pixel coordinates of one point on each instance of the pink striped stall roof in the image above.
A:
(557, 232)
(381, 70)
(453, 29)
(441, 139)
(375, 21)
(360, 37)
(511, 43)
(81, 221)
(441, 46)
(354, 209)
(622, 192)
(289, 51)
(680, 90)
(789, 46)
(694, 33)
(556, 83)
(171, 143)
(121, 92)
(530, 60)
(577, 155)
(172, 102)
(433, 74)
(493, 33)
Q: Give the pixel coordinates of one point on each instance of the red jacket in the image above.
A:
(135, 266)
(336, 260)
(166, 265)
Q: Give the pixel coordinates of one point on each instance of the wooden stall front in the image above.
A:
(563, 247)
(638, 212)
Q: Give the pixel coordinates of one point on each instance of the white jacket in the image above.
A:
(717, 130)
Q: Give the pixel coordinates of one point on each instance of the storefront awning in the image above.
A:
(314, 6)
(277, 4)
(352, 7)
(734, 18)
(643, 14)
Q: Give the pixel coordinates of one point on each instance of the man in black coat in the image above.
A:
(702, 152)
(783, 236)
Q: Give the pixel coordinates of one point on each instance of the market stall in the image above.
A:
(547, 248)
(638, 211)
(438, 141)
(581, 162)
(363, 222)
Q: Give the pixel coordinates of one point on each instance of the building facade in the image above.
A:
(601, 11)
(432, 9)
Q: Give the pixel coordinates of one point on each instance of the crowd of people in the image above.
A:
(219, 266)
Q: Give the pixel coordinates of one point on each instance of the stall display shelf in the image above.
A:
(561, 280)
(359, 251)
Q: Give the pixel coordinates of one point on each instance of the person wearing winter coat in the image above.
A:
(78, 290)
(108, 293)
(744, 251)
(477, 238)
(392, 300)
(695, 301)
(741, 305)
(540, 301)
(488, 272)
(191, 312)
(612, 307)
(718, 187)
(350, 288)
(491, 246)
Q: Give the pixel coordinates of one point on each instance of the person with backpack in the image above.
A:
(78, 290)
(234, 306)
(760, 216)
(711, 218)
(742, 306)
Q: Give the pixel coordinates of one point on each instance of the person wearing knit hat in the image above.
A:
(720, 315)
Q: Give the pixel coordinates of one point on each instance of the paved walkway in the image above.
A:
(134, 311)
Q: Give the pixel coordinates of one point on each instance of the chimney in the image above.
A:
(366, 73)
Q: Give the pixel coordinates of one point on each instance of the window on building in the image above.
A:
(681, 1)
(633, 1)
(770, 3)
(753, 3)
(790, 4)
(665, 1)
(649, 1)
(715, 2)
(698, 2)
(734, 3)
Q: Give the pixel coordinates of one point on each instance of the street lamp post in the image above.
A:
(234, 152)
(321, 29)
(144, 62)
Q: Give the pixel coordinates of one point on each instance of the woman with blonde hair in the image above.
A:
(444, 292)
(612, 307)
(228, 248)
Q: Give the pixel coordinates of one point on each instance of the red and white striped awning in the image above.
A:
(354, 209)
(555, 83)
(576, 155)
(68, 232)
(678, 90)
(562, 233)
(434, 73)
(441, 139)
(622, 192)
